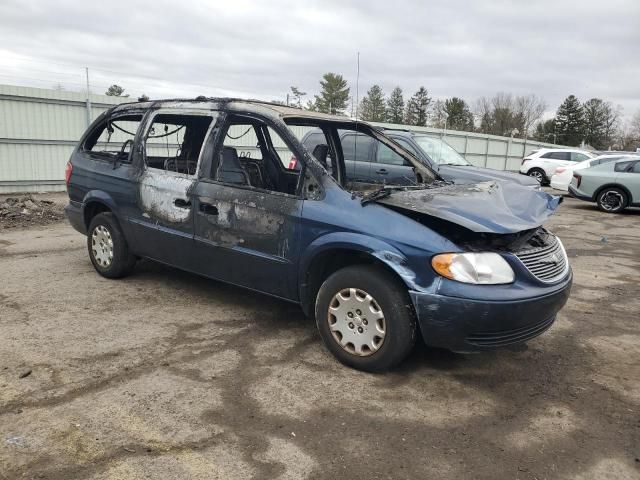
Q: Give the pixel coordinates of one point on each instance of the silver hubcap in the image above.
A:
(356, 322)
(611, 200)
(102, 246)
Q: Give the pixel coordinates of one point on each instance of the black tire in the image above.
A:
(612, 200)
(122, 261)
(539, 175)
(392, 298)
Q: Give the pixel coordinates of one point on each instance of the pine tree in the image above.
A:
(372, 107)
(418, 108)
(459, 116)
(599, 122)
(570, 122)
(545, 131)
(334, 95)
(296, 97)
(115, 91)
(395, 106)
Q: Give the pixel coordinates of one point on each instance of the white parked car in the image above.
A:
(561, 179)
(541, 164)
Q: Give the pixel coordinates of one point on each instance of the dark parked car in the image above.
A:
(471, 264)
(365, 160)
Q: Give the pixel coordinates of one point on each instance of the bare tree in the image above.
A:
(483, 112)
(612, 121)
(504, 114)
(439, 115)
(628, 134)
(528, 110)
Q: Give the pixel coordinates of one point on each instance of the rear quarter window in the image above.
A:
(622, 166)
(113, 138)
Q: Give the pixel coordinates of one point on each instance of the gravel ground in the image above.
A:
(170, 376)
(29, 210)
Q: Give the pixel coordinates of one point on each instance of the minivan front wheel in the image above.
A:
(365, 318)
(108, 249)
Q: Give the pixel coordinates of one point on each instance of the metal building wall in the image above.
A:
(39, 129)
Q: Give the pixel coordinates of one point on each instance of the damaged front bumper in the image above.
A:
(473, 324)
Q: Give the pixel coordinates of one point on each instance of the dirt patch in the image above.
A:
(30, 210)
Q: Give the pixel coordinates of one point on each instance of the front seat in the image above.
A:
(320, 153)
(230, 169)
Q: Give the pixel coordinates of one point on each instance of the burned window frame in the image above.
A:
(214, 115)
(98, 129)
(225, 121)
(424, 173)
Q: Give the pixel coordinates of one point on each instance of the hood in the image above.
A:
(487, 207)
(469, 174)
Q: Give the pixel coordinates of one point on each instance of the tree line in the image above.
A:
(595, 122)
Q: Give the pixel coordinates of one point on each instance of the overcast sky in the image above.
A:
(553, 48)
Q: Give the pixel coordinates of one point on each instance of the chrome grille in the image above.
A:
(547, 263)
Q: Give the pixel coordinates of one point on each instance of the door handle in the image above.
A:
(382, 171)
(182, 203)
(208, 209)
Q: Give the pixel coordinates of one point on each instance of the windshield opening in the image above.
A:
(361, 158)
(439, 151)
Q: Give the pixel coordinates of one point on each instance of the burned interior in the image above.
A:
(331, 146)
(263, 167)
(113, 137)
(173, 141)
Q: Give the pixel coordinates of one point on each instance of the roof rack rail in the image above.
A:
(397, 129)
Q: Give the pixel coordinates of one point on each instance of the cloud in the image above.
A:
(552, 48)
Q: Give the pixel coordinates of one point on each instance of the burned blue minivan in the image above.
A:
(225, 188)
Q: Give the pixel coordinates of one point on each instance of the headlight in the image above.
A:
(480, 268)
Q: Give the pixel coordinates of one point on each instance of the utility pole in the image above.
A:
(86, 70)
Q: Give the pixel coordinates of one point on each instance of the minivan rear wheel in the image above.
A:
(365, 318)
(108, 249)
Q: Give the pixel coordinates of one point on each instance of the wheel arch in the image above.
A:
(538, 168)
(96, 202)
(332, 256)
(613, 185)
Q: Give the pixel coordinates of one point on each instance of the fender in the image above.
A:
(100, 196)
(376, 248)
(619, 186)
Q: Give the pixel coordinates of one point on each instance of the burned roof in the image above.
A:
(239, 104)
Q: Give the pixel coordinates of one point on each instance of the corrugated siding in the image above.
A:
(39, 129)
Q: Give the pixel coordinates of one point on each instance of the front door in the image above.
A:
(247, 210)
(391, 168)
